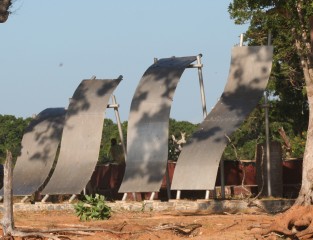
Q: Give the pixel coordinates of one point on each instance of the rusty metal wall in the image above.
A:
(39, 147)
(81, 137)
(147, 132)
(198, 162)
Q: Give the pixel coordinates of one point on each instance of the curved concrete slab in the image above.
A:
(81, 137)
(147, 132)
(39, 147)
(197, 165)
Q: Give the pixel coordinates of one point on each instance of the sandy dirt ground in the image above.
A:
(146, 225)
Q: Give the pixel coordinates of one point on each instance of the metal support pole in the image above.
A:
(72, 198)
(124, 197)
(269, 39)
(222, 179)
(24, 199)
(268, 157)
(45, 198)
(178, 194)
(152, 196)
(203, 101)
(207, 195)
(119, 125)
(241, 40)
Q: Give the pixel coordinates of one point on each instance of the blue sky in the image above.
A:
(48, 47)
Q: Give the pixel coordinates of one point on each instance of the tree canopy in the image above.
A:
(4, 10)
(11, 133)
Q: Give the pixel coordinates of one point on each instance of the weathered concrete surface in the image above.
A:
(148, 122)
(197, 165)
(39, 148)
(81, 137)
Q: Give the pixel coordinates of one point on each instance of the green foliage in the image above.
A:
(11, 133)
(93, 208)
(176, 128)
(243, 141)
(298, 145)
(110, 130)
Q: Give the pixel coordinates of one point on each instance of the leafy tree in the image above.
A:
(110, 130)
(4, 10)
(242, 143)
(176, 128)
(292, 78)
(252, 132)
(11, 133)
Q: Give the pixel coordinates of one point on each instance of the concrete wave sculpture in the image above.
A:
(39, 148)
(197, 165)
(148, 122)
(81, 137)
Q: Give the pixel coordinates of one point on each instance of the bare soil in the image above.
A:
(147, 225)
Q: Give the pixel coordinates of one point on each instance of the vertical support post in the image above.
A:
(44, 198)
(72, 198)
(203, 101)
(204, 110)
(269, 39)
(241, 40)
(124, 197)
(222, 179)
(152, 196)
(207, 195)
(120, 131)
(119, 125)
(268, 157)
(178, 194)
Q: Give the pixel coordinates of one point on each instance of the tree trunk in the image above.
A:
(306, 194)
(303, 45)
(8, 221)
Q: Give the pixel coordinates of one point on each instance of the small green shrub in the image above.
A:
(93, 208)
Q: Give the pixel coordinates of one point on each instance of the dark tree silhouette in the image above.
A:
(4, 10)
